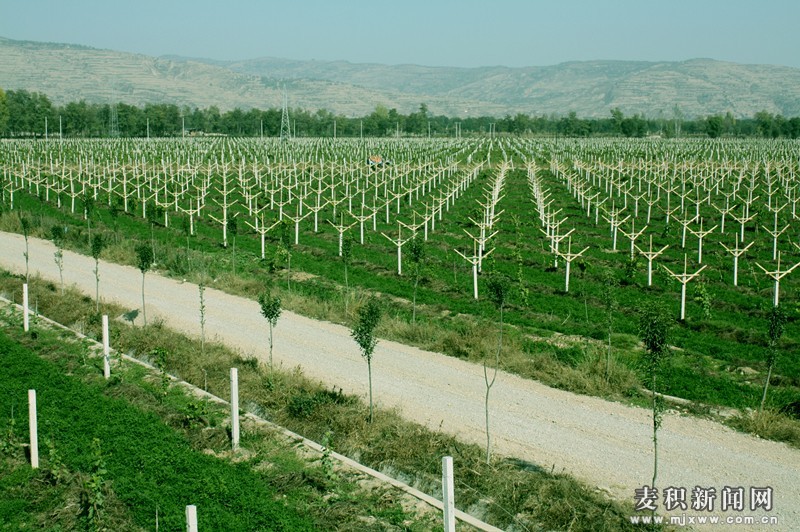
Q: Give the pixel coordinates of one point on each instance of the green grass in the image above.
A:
(506, 493)
(149, 465)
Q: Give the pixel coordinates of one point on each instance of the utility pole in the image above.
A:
(286, 128)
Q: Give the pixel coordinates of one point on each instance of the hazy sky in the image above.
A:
(427, 32)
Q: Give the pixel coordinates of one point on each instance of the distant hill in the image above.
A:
(696, 87)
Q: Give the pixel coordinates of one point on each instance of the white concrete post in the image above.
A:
(448, 494)
(25, 318)
(191, 518)
(235, 408)
(106, 365)
(33, 429)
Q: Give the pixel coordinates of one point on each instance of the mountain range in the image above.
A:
(696, 87)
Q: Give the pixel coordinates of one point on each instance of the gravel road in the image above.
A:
(603, 443)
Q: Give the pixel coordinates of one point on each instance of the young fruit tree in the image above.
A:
(26, 227)
(777, 320)
(270, 309)
(98, 243)
(654, 330)
(498, 292)
(610, 306)
(417, 252)
(57, 235)
(364, 334)
(347, 255)
(144, 260)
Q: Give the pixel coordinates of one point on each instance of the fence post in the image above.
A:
(191, 518)
(235, 408)
(448, 495)
(106, 365)
(33, 429)
(25, 319)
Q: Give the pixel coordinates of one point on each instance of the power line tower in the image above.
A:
(113, 122)
(286, 127)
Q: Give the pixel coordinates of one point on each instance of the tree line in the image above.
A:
(32, 114)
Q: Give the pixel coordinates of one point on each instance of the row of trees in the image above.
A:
(31, 114)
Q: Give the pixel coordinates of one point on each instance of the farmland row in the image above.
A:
(527, 208)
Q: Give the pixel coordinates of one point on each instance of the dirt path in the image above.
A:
(603, 443)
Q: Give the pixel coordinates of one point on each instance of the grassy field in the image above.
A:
(561, 338)
(507, 493)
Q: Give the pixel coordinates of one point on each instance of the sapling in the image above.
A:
(144, 260)
(93, 488)
(270, 309)
(347, 255)
(610, 306)
(285, 250)
(703, 296)
(233, 230)
(417, 256)
(187, 232)
(201, 288)
(26, 227)
(57, 234)
(364, 334)
(498, 292)
(98, 244)
(654, 330)
(777, 320)
(88, 210)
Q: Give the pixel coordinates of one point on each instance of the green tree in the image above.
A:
(3, 112)
(144, 260)
(654, 331)
(271, 310)
(777, 321)
(714, 126)
(364, 334)
(617, 117)
(98, 244)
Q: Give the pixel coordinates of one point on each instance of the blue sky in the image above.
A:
(463, 33)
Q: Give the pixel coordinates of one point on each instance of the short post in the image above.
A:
(106, 365)
(33, 429)
(448, 497)
(25, 319)
(235, 408)
(191, 518)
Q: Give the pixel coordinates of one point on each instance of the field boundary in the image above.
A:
(309, 444)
